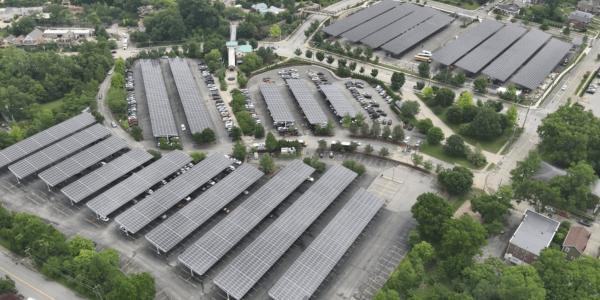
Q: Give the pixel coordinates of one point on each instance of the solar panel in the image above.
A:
(194, 107)
(248, 267)
(145, 211)
(338, 100)
(513, 58)
(307, 101)
(115, 169)
(359, 17)
(56, 152)
(536, 70)
(209, 249)
(491, 48)
(82, 160)
(417, 34)
(457, 48)
(280, 112)
(359, 32)
(185, 221)
(399, 27)
(118, 195)
(307, 273)
(161, 116)
(44, 138)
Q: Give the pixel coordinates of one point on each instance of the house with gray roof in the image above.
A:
(533, 235)
(579, 19)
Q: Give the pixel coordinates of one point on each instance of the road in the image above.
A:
(30, 283)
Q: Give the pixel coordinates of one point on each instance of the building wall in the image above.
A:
(521, 253)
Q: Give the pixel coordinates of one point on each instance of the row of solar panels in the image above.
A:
(501, 51)
(159, 108)
(390, 25)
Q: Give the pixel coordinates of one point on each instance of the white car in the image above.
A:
(113, 124)
(564, 87)
(182, 127)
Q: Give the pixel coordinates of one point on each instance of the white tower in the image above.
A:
(232, 45)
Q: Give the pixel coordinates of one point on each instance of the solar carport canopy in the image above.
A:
(161, 116)
(359, 32)
(82, 160)
(280, 111)
(194, 108)
(399, 27)
(248, 267)
(151, 207)
(513, 58)
(307, 101)
(307, 273)
(48, 156)
(535, 71)
(118, 195)
(185, 221)
(457, 48)
(491, 48)
(42, 139)
(358, 18)
(417, 34)
(211, 247)
(341, 104)
(115, 169)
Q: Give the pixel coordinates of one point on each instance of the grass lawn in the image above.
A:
(438, 152)
(52, 105)
(463, 4)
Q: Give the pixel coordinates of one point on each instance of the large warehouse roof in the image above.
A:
(490, 49)
(161, 116)
(417, 34)
(184, 222)
(399, 27)
(115, 169)
(307, 273)
(213, 245)
(118, 195)
(82, 160)
(536, 70)
(457, 48)
(513, 58)
(194, 107)
(307, 101)
(278, 108)
(360, 17)
(359, 32)
(245, 270)
(153, 206)
(341, 104)
(64, 148)
(44, 138)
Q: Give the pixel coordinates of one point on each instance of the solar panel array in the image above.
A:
(341, 104)
(536, 70)
(359, 32)
(115, 169)
(307, 273)
(195, 109)
(145, 211)
(491, 48)
(44, 138)
(161, 116)
(280, 111)
(457, 48)
(82, 160)
(248, 267)
(417, 34)
(359, 17)
(384, 35)
(54, 153)
(513, 58)
(126, 190)
(209, 249)
(307, 101)
(185, 221)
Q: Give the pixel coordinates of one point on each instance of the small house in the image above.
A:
(575, 242)
(579, 19)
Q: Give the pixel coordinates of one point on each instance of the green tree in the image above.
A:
(213, 60)
(386, 133)
(368, 149)
(361, 70)
(266, 164)
(259, 131)
(521, 283)
(374, 72)
(398, 80)
(435, 136)
(456, 181)
(206, 136)
(410, 109)
(384, 152)
(352, 66)
(431, 213)
(480, 84)
(298, 52)
(322, 145)
(320, 56)
(397, 134)
(494, 208)
(424, 125)
(417, 159)
(7, 286)
(455, 146)
(477, 158)
(355, 166)
(197, 156)
(375, 130)
(308, 54)
(236, 134)
(275, 31)
(511, 116)
(330, 59)
(239, 151)
(487, 125)
(444, 97)
(271, 143)
(464, 99)
(424, 70)
(251, 63)
(461, 241)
